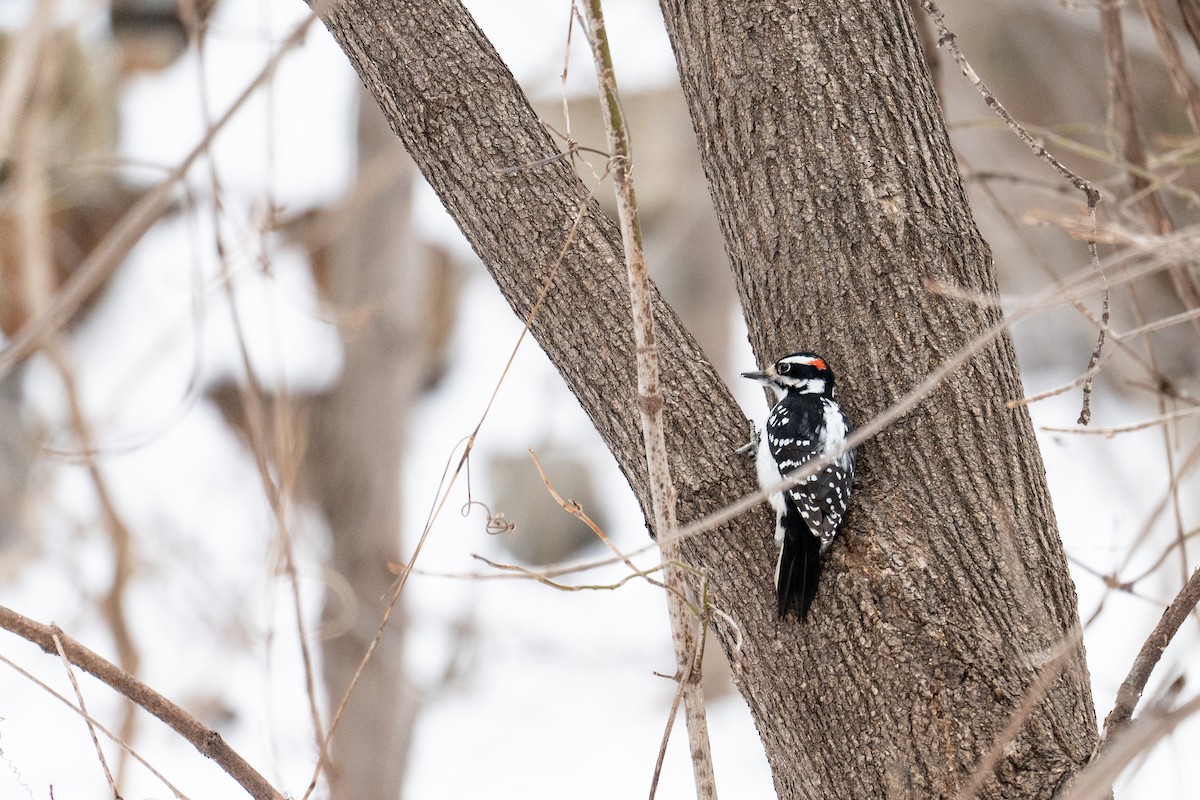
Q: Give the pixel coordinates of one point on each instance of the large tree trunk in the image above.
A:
(838, 197)
(835, 182)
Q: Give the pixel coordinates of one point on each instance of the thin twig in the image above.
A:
(35, 275)
(1020, 717)
(534, 575)
(1123, 122)
(983, 176)
(1090, 192)
(1190, 462)
(93, 722)
(1085, 409)
(275, 484)
(552, 571)
(1162, 419)
(444, 489)
(1097, 778)
(1181, 80)
(945, 37)
(1159, 324)
(21, 70)
(1078, 380)
(276, 487)
(1164, 183)
(576, 511)
(1164, 555)
(1112, 581)
(112, 784)
(113, 604)
(1100, 359)
(693, 667)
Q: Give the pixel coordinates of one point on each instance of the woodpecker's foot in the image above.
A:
(751, 446)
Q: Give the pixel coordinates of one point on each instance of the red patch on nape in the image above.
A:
(819, 363)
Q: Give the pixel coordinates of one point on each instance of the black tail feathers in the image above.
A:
(799, 565)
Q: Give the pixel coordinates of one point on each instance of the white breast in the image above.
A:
(769, 475)
(834, 432)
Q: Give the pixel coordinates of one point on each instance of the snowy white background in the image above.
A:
(555, 695)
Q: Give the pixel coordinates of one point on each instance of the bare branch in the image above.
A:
(207, 741)
(1147, 658)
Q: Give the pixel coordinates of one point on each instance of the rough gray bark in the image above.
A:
(838, 196)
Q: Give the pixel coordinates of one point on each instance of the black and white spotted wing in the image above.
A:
(820, 499)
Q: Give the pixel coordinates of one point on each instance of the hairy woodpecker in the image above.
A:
(805, 423)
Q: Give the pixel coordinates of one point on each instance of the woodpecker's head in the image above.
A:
(801, 373)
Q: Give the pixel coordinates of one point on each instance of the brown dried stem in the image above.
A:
(112, 784)
(1181, 79)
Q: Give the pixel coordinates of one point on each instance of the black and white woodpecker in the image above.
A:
(805, 423)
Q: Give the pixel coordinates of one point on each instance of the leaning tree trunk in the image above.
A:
(838, 197)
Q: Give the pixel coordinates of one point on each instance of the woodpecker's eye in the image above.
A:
(784, 368)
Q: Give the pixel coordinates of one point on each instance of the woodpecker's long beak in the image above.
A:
(763, 376)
